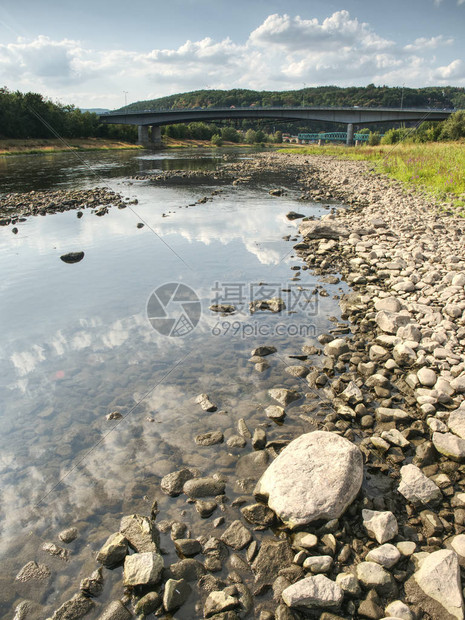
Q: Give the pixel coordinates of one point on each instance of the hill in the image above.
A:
(371, 95)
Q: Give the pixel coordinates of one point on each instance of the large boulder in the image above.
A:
(317, 229)
(317, 476)
(436, 586)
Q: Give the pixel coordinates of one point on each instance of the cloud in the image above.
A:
(281, 53)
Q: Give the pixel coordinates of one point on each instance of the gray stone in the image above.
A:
(416, 487)
(264, 350)
(93, 585)
(142, 569)
(381, 525)
(205, 508)
(209, 439)
(427, 376)
(404, 355)
(140, 533)
(147, 604)
(449, 445)
(318, 229)
(372, 575)
(348, 583)
(236, 441)
(176, 594)
(204, 401)
(203, 487)
(387, 555)
(68, 535)
(336, 347)
(218, 602)
(456, 422)
(115, 611)
(386, 414)
(275, 413)
(258, 514)
(75, 608)
(284, 396)
(317, 592)
(187, 546)
(275, 304)
(237, 536)
(436, 586)
(395, 437)
(273, 556)
(398, 609)
(390, 322)
(32, 570)
(188, 569)
(318, 563)
(259, 439)
(113, 551)
(388, 304)
(317, 476)
(172, 484)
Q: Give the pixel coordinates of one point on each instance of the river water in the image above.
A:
(77, 345)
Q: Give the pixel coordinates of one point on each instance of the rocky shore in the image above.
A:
(364, 515)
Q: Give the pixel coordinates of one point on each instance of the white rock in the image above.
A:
(348, 583)
(458, 545)
(372, 575)
(398, 609)
(439, 578)
(389, 304)
(409, 332)
(436, 425)
(395, 437)
(381, 525)
(390, 322)
(406, 547)
(404, 355)
(449, 445)
(416, 487)
(427, 376)
(317, 476)
(456, 422)
(142, 568)
(458, 384)
(313, 592)
(318, 563)
(387, 555)
(336, 347)
(385, 414)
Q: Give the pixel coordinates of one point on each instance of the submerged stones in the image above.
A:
(317, 476)
(72, 257)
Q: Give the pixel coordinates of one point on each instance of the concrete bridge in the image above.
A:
(349, 116)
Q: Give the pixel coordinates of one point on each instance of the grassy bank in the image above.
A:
(28, 147)
(435, 166)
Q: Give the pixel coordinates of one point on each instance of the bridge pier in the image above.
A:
(142, 135)
(350, 134)
(156, 136)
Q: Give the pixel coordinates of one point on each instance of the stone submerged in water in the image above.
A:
(72, 257)
(317, 476)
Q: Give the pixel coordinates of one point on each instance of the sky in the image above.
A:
(97, 53)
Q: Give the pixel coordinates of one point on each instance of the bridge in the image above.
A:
(349, 116)
(332, 136)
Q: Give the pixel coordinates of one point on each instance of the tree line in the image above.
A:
(371, 95)
(30, 115)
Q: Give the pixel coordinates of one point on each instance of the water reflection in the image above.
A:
(77, 345)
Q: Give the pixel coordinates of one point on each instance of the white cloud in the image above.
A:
(282, 53)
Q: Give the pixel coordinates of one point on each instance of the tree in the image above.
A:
(217, 140)
(454, 127)
(229, 134)
(250, 136)
(374, 138)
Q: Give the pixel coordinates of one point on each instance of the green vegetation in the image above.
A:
(30, 116)
(371, 95)
(436, 166)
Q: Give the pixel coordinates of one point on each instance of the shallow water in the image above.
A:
(77, 345)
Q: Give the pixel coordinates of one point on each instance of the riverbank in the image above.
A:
(434, 166)
(387, 384)
(31, 147)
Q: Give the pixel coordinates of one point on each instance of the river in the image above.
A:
(77, 345)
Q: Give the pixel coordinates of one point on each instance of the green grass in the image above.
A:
(438, 167)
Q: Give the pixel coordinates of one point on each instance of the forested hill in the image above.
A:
(371, 95)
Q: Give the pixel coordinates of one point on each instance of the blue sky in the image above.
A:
(89, 52)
